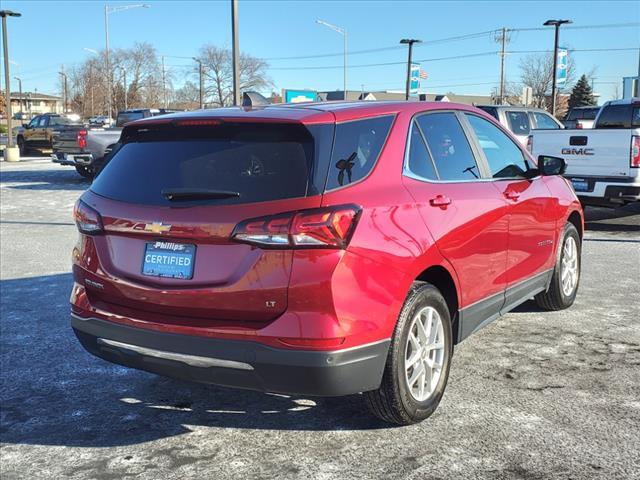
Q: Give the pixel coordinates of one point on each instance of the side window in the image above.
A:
(42, 123)
(33, 123)
(449, 147)
(519, 123)
(544, 121)
(503, 155)
(356, 148)
(635, 120)
(420, 161)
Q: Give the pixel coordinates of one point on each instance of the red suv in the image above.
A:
(318, 249)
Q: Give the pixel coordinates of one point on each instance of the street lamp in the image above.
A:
(556, 24)
(410, 42)
(343, 32)
(108, 10)
(7, 80)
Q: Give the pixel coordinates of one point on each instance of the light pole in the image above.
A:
(343, 32)
(64, 91)
(7, 79)
(20, 90)
(410, 42)
(95, 52)
(124, 75)
(556, 24)
(235, 52)
(107, 11)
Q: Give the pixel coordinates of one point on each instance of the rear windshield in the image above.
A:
(583, 113)
(127, 117)
(619, 116)
(493, 111)
(261, 162)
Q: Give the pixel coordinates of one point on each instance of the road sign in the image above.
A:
(415, 79)
(561, 75)
(297, 96)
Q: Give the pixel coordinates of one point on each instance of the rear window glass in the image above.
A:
(544, 121)
(491, 111)
(618, 116)
(519, 122)
(128, 117)
(357, 146)
(259, 162)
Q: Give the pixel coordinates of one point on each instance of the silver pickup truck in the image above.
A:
(86, 148)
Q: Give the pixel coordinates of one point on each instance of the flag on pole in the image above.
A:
(423, 75)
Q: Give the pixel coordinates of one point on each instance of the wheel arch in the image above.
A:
(441, 278)
(576, 219)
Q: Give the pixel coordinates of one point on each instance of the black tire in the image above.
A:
(555, 298)
(393, 402)
(85, 171)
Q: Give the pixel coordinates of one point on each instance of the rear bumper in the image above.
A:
(73, 159)
(608, 191)
(233, 363)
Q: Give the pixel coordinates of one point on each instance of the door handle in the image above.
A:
(440, 201)
(512, 194)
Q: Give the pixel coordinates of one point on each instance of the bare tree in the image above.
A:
(536, 71)
(217, 65)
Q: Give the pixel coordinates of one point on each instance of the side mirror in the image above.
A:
(548, 165)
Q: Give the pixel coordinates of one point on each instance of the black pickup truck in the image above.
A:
(87, 148)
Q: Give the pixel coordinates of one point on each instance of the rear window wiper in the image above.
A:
(178, 194)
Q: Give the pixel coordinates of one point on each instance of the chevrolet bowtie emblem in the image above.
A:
(156, 227)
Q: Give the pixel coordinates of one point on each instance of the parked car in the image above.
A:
(86, 148)
(324, 249)
(521, 120)
(603, 162)
(581, 117)
(41, 130)
(100, 121)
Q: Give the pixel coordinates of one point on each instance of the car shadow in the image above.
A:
(55, 393)
(49, 179)
(613, 220)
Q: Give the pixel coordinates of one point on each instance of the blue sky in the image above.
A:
(53, 33)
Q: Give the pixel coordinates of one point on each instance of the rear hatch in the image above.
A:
(170, 199)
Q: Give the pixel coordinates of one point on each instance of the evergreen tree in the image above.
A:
(581, 95)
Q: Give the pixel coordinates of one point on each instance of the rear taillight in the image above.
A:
(635, 152)
(87, 219)
(329, 227)
(530, 143)
(81, 139)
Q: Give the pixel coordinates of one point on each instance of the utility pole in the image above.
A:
(9, 154)
(124, 74)
(410, 42)
(556, 24)
(164, 84)
(503, 39)
(64, 89)
(20, 90)
(201, 81)
(91, 87)
(235, 52)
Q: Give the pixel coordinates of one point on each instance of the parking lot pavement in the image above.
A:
(533, 395)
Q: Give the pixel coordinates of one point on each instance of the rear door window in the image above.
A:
(356, 148)
(261, 162)
(504, 157)
(519, 122)
(544, 121)
(449, 147)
